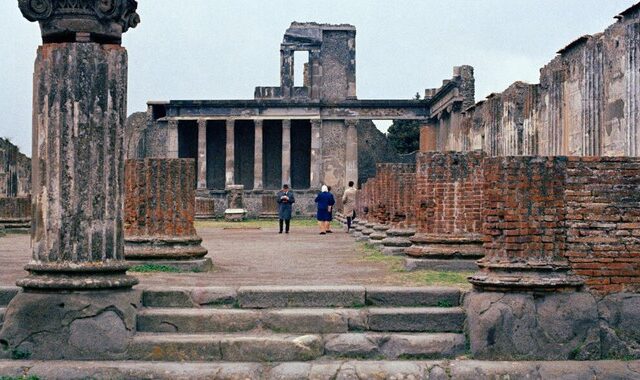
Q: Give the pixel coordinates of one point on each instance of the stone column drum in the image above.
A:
(159, 214)
(77, 301)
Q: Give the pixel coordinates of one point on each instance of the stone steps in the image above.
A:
(260, 347)
(283, 324)
(322, 369)
(322, 321)
(299, 296)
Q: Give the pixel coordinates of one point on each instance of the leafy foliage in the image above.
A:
(404, 135)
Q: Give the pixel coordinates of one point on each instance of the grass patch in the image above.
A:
(23, 377)
(397, 273)
(153, 268)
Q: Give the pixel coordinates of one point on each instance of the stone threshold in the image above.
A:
(456, 369)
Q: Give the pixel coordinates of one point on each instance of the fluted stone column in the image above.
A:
(316, 153)
(77, 301)
(202, 154)
(351, 166)
(230, 161)
(159, 214)
(257, 151)
(286, 152)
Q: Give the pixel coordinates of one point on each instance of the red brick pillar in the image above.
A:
(159, 214)
(448, 202)
(525, 234)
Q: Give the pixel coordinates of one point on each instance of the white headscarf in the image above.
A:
(325, 188)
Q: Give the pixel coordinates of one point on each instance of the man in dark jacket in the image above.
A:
(285, 202)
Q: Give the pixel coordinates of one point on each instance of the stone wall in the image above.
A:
(586, 104)
(449, 192)
(15, 171)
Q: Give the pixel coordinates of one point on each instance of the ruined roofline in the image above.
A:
(315, 25)
(573, 44)
(629, 11)
(292, 103)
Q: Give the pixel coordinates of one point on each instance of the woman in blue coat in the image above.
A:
(325, 202)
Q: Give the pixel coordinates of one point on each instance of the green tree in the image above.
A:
(404, 135)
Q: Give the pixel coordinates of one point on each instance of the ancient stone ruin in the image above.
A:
(15, 188)
(303, 135)
(535, 190)
(544, 189)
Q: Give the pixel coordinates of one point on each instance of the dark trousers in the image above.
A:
(350, 219)
(287, 222)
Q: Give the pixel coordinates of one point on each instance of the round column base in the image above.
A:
(163, 248)
(77, 276)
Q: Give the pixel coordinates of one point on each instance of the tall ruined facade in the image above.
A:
(586, 103)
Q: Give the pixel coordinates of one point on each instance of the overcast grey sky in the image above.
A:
(222, 49)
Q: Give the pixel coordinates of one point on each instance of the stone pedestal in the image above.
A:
(235, 212)
(448, 252)
(77, 301)
(159, 214)
(15, 214)
(396, 241)
(205, 208)
(378, 234)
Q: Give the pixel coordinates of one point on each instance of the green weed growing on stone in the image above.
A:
(153, 268)
(23, 377)
(444, 303)
(18, 354)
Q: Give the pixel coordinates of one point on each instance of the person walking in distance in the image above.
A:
(325, 202)
(286, 199)
(349, 204)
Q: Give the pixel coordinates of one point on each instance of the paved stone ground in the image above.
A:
(248, 257)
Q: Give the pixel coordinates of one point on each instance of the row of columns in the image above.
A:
(352, 151)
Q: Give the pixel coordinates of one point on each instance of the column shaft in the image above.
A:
(172, 139)
(316, 153)
(351, 166)
(428, 137)
(78, 163)
(230, 162)
(202, 154)
(286, 151)
(257, 151)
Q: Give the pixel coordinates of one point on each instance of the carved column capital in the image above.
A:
(101, 21)
(351, 123)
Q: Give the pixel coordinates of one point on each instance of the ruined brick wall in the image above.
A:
(603, 222)
(15, 171)
(449, 192)
(586, 104)
(396, 186)
(159, 197)
(581, 211)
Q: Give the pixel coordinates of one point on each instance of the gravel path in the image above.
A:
(246, 257)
